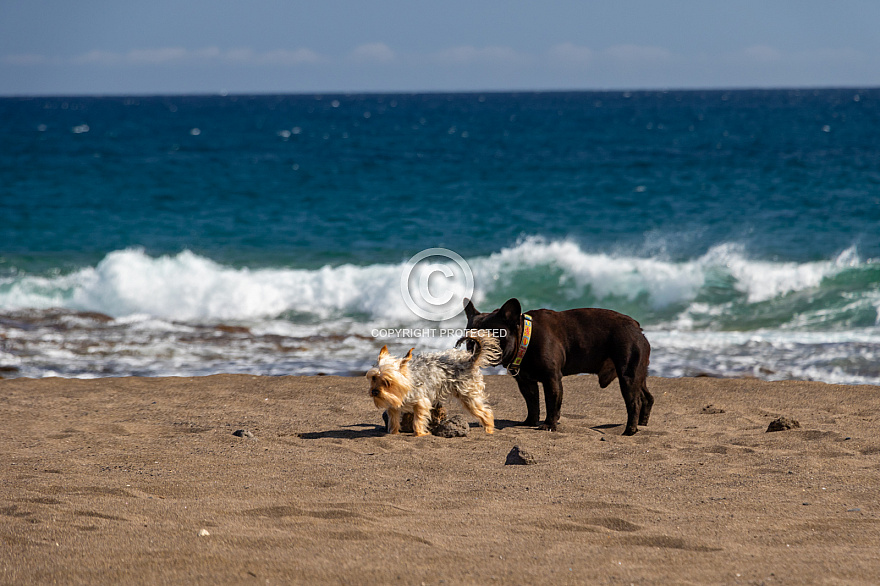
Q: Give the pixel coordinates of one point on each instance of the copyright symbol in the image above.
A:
(434, 282)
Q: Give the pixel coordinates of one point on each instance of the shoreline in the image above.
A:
(117, 480)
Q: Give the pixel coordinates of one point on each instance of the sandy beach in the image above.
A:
(141, 480)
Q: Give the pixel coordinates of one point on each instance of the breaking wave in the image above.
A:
(723, 289)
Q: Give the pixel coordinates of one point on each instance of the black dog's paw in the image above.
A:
(529, 422)
(629, 431)
(547, 427)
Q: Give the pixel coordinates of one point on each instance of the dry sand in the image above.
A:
(113, 480)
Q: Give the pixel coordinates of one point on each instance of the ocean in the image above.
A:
(193, 235)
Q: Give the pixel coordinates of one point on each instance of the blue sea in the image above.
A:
(192, 235)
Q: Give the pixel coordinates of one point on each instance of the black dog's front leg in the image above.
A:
(552, 402)
(530, 393)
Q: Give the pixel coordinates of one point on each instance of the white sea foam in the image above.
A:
(764, 280)
(628, 277)
(190, 288)
(187, 287)
(661, 281)
(847, 357)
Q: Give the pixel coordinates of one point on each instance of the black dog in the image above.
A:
(596, 341)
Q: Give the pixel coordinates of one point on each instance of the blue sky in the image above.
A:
(50, 47)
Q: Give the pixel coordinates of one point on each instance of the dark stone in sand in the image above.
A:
(455, 426)
(242, 433)
(782, 424)
(712, 410)
(94, 316)
(519, 456)
(8, 369)
(232, 329)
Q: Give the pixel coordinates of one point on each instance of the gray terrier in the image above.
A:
(416, 384)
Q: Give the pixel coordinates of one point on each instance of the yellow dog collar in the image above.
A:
(513, 369)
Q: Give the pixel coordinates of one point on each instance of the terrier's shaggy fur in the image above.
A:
(415, 384)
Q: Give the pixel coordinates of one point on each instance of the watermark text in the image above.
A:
(436, 333)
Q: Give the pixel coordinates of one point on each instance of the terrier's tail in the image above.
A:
(487, 351)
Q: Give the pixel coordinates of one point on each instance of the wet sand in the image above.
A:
(141, 480)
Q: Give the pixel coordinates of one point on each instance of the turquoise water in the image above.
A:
(267, 234)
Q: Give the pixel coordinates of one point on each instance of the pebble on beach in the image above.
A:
(455, 426)
(782, 424)
(519, 456)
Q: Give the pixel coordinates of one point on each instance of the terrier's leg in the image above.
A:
(421, 416)
(393, 420)
(476, 404)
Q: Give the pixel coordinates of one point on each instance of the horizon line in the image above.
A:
(634, 90)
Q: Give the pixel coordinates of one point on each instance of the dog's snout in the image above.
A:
(374, 392)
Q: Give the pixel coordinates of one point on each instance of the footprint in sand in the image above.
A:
(96, 515)
(666, 542)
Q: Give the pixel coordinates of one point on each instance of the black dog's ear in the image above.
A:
(469, 309)
(511, 310)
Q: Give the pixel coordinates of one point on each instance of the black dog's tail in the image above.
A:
(488, 348)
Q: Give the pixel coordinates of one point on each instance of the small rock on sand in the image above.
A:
(455, 426)
(782, 424)
(520, 456)
(242, 433)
